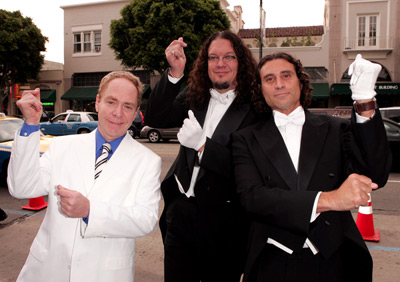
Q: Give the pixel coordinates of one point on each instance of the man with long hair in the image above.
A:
(299, 175)
(203, 227)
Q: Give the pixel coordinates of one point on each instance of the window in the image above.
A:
(367, 31)
(97, 41)
(59, 118)
(77, 43)
(87, 42)
(74, 118)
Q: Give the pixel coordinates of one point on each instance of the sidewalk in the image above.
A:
(16, 239)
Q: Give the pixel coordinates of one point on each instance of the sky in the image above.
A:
(49, 17)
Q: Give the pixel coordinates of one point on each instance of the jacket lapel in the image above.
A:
(229, 123)
(312, 143)
(118, 161)
(273, 146)
(86, 159)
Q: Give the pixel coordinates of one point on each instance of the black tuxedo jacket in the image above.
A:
(215, 190)
(280, 200)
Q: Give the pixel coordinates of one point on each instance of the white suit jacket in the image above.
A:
(124, 204)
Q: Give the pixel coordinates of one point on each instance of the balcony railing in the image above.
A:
(376, 43)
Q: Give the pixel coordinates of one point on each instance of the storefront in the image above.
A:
(388, 94)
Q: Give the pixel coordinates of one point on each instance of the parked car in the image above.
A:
(392, 113)
(393, 135)
(337, 111)
(137, 125)
(8, 127)
(70, 122)
(156, 134)
(392, 132)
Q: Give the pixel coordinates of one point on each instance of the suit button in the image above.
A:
(327, 223)
(331, 174)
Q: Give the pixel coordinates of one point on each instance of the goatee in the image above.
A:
(221, 85)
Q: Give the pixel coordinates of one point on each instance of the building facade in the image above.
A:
(351, 27)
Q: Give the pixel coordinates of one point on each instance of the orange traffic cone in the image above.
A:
(365, 223)
(35, 204)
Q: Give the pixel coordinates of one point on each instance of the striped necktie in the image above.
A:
(102, 160)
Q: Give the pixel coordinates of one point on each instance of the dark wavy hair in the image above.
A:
(199, 82)
(258, 100)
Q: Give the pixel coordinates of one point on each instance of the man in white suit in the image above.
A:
(90, 226)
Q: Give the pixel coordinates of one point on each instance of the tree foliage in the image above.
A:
(20, 46)
(147, 27)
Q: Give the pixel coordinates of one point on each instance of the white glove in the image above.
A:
(363, 78)
(191, 134)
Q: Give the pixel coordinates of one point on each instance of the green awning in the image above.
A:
(340, 89)
(82, 93)
(321, 90)
(48, 95)
(388, 88)
(380, 88)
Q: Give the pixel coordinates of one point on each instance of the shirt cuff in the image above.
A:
(27, 129)
(361, 119)
(314, 213)
(172, 78)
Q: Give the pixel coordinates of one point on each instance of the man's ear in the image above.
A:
(97, 102)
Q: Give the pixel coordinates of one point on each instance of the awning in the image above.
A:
(380, 88)
(340, 89)
(89, 93)
(81, 93)
(388, 88)
(48, 95)
(321, 90)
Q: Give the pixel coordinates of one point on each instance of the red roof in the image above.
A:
(317, 30)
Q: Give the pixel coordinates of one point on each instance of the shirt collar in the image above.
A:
(100, 141)
(223, 98)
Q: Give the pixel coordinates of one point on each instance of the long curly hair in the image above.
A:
(258, 100)
(199, 82)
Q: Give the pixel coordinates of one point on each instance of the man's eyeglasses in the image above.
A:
(225, 59)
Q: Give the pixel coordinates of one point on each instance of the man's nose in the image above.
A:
(221, 62)
(279, 83)
(117, 111)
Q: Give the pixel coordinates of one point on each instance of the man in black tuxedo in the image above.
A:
(299, 174)
(203, 226)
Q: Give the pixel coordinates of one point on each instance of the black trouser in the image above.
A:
(194, 250)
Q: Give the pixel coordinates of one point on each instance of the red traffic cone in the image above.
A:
(365, 223)
(35, 204)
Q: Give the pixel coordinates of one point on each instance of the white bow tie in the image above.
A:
(297, 118)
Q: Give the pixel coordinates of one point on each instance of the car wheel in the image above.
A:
(132, 131)
(83, 131)
(154, 136)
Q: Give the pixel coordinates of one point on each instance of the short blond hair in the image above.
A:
(122, 74)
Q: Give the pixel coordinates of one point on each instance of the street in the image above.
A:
(19, 229)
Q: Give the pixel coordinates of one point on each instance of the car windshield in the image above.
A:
(8, 128)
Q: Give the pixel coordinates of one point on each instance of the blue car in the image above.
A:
(70, 122)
